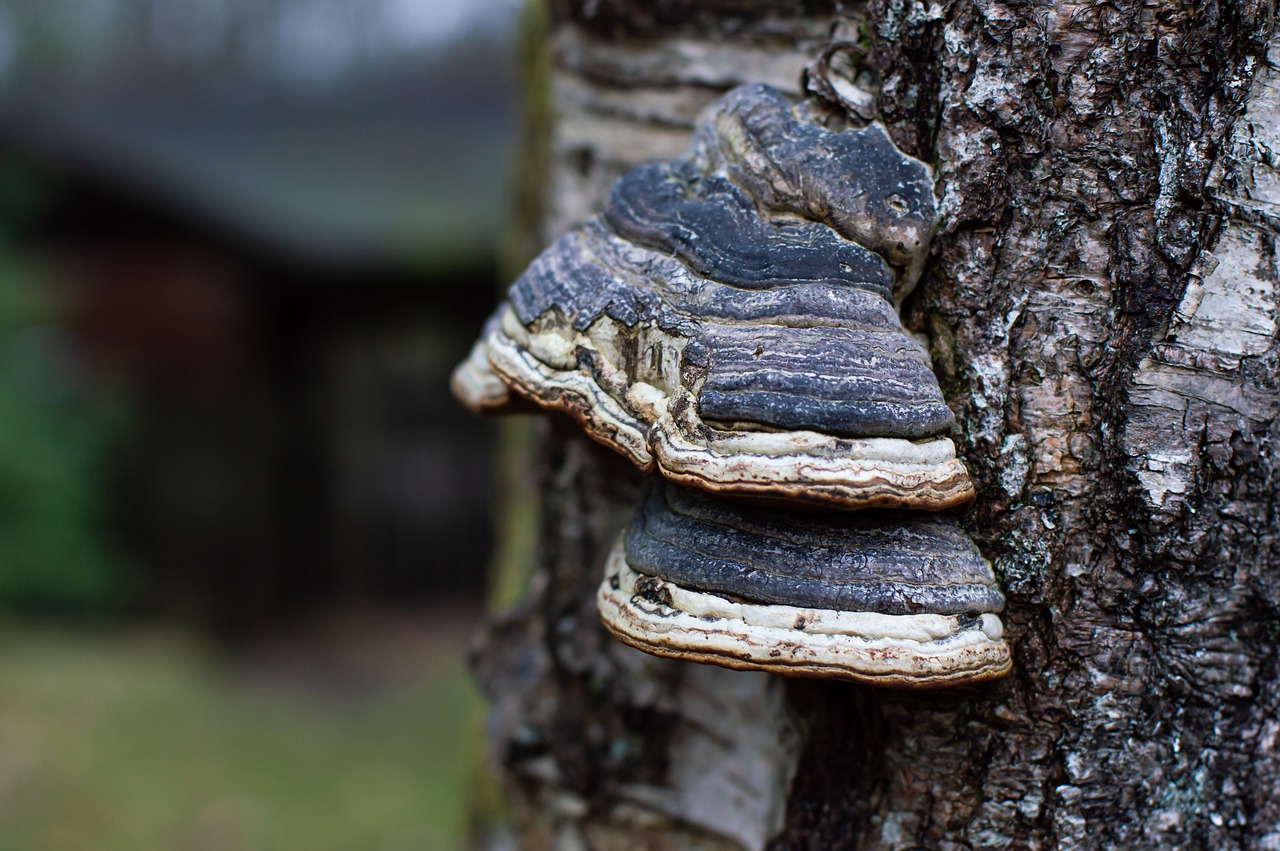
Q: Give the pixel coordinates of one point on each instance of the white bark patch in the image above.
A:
(1260, 130)
(1015, 465)
(990, 390)
(734, 753)
(1191, 390)
(1233, 311)
(618, 105)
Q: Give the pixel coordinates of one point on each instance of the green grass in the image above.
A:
(147, 740)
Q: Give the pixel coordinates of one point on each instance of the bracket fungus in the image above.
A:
(730, 322)
(887, 597)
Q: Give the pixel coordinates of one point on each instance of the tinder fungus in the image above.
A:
(730, 322)
(892, 598)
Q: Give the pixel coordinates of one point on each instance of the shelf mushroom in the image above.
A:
(704, 329)
(890, 598)
(729, 321)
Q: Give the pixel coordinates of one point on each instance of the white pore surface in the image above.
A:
(701, 626)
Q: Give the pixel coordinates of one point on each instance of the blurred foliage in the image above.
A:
(56, 438)
(145, 741)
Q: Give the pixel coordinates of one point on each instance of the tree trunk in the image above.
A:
(1102, 307)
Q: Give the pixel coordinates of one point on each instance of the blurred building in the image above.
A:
(273, 226)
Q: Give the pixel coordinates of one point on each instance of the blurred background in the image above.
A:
(243, 526)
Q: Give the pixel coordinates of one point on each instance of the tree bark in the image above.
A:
(1102, 308)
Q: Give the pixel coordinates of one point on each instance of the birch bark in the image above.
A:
(1102, 309)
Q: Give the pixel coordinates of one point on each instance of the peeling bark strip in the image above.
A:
(1102, 307)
